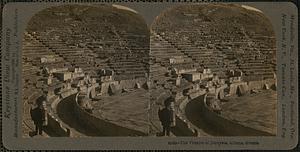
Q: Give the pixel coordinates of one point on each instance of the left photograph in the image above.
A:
(86, 72)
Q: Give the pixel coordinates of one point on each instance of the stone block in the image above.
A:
(127, 84)
(114, 89)
(193, 95)
(212, 89)
(63, 76)
(147, 85)
(178, 80)
(238, 73)
(193, 76)
(137, 85)
(82, 88)
(105, 85)
(49, 81)
(230, 79)
(266, 86)
(255, 85)
(274, 86)
(221, 94)
(242, 89)
(92, 92)
(232, 89)
(77, 75)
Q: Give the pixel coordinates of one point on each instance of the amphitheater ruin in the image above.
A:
(105, 72)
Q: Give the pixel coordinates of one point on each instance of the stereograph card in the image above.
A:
(92, 75)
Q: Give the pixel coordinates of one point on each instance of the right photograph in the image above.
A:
(213, 68)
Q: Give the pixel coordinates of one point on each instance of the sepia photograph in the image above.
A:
(217, 65)
(91, 75)
(85, 72)
(197, 70)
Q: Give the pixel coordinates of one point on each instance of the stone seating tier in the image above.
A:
(261, 66)
(162, 50)
(157, 73)
(68, 51)
(127, 76)
(30, 70)
(188, 47)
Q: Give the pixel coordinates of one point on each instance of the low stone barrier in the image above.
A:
(255, 85)
(196, 94)
(122, 84)
(67, 93)
(54, 123)
(183, 104)
(105, 127)
(55, 100)
(183, 128)
(242, 88)
(226, 126)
